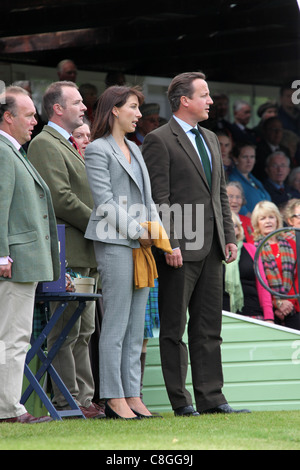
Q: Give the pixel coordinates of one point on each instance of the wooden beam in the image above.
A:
(54, 41)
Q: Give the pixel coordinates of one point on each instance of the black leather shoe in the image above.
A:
(186, 411)
(110, 413)
(140, 415)
(225, 408)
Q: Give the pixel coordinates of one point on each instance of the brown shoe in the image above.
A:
(100, 406)
(27, 418)
(92, 412)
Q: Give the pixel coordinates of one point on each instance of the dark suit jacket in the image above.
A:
(239, 135)
(280, 197)
(178, 179)
(263, 150)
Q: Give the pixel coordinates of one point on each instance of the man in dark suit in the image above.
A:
(238, 129)
(191, 277)
(278, 169)
(272, 131)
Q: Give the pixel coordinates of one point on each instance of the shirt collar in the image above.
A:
(185, 126)
(11, 139)
(59, 129)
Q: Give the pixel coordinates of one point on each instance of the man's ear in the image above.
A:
(8, 117)
(184, 100)
(58, 109)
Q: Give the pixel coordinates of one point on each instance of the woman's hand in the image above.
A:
(285, 307)
(145, 239)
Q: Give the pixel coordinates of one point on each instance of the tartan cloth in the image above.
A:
(281, 282)
(40, 318)
(151, 315)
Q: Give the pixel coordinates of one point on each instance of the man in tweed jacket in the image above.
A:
(28, 248)
(63, 168)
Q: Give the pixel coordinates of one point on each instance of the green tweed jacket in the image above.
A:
(63, 169)
(28, 232)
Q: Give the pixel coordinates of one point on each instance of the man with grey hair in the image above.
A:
(28, 248)
(277, 169)
(67, 70)
(239, 130)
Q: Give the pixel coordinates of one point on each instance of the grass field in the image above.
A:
(255, 431)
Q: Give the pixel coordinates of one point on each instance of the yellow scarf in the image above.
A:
(144, 263)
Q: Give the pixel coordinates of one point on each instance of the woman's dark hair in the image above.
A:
(239, 146)
(111, 97)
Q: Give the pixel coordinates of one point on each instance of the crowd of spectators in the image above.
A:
(262, 170)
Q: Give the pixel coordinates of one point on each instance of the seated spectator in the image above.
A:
(236, 200)
(67, 70)
(265, 111)
(279, 259)
(244, 160)
(218, 111)
(82, 136)
(291, 141)
(221, 103)
(115, 78)
(89, 93)
(291, 213)
(294, 179)
(225, 142)
(277, 169)
(271, 141)
(288, 112)
(243, 293)
(239, 130)
(147, 123)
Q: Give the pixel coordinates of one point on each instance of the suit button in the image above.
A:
(45, 216)
(47, 237)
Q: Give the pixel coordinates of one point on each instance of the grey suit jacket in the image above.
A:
(178, 179)
(119, 204)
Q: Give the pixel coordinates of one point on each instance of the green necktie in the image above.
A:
(203, 154)
(22, 152)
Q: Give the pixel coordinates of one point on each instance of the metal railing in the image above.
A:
(297, 263)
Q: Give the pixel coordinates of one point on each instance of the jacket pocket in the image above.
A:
(21, 238)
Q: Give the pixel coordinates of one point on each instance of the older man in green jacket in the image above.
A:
(28, 248)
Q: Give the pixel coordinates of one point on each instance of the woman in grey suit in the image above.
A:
(121, 191)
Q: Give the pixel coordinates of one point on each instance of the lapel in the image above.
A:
(118, 154)
(54, 133)
(189, 149)
(25, 162)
